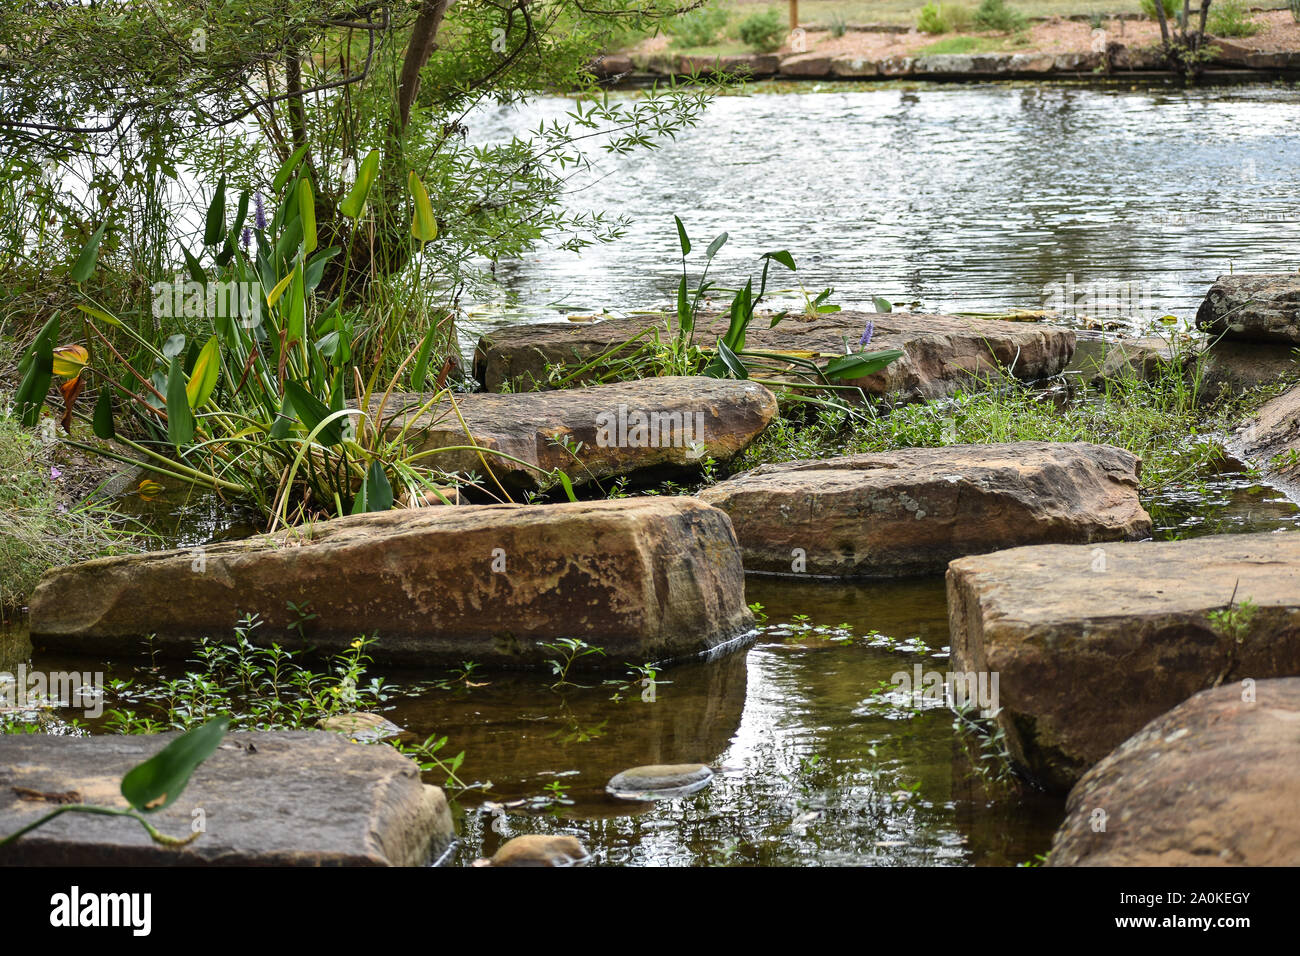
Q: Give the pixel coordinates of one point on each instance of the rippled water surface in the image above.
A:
(961, 197)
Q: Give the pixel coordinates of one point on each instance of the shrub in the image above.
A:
(839, 26)
(996, 15)
(1231, 18)
(763, 32)
(699, 27)
(943, 18)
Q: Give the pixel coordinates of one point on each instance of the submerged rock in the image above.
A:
(655, 426)
(659, 781)
(536, 849)
(282, 798)
(645, 579)
(942, 352)
(1263, 307)
(1211, 783)
(1091, 643)
(361, 727)
(913, 510)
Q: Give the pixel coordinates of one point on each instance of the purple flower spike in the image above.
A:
(246, 237)
(869, 331)
(261, 212)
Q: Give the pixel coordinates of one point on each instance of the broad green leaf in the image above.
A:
(732, 362)
(285, 171)
(30, 397)
(376, 493)
(716, 245)
(421, 369)
(162, 778)
(354, 203)
(180, 420)
(307, 213)
(859, 366)
(102, 422)
(85, 264)
(685, 316)
(214, 230)
(203, 377)
(883, 305)
(782, 257)
(568, 486)
(682, 239)
(101, 315)
(174, 345)
(312, 411)
(424, 225)
(193, 267)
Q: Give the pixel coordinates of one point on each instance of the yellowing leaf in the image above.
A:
(69, 360)
(274, 295)
(203, 378)
(424, 225)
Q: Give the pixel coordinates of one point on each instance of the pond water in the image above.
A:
(960, 197)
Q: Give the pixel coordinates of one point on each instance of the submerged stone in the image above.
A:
(659, 781)
(942, 353)
(659, 426)
(1211, 783)
(911, 511)
(282, 798)
(536, 849)
(361, 727)
(1091, 642)
(645, 579)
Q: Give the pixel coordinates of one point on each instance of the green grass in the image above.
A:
(1165, 422)
(969, 44)
(38, 530)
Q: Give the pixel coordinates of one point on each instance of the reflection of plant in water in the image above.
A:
(994, 765)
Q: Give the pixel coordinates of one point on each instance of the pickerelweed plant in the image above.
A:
(273, 405)
(801, 375)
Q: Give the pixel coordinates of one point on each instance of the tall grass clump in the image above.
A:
(943, 18)
(38, 529)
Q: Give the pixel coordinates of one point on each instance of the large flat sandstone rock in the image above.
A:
(1211, 783)
(914, 510)
(1264, 307)
(652, 426)
(284, 798)
(646, 579)
(1091, 643)
(942, 352)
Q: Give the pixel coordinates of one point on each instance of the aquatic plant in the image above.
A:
(269, 403)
